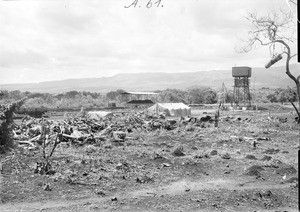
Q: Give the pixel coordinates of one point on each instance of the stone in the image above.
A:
(251, 157)
(47, 187)
(225, 156)
(178, 152)
(100, 192)
(254, 170)
(213, 152)
(266, 158)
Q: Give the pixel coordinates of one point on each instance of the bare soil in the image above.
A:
(219, 170)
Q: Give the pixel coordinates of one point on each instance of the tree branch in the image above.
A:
(270, 29)
(287, 60)
(293, 55)
(262, 43)
(285, 52)
(297, 111)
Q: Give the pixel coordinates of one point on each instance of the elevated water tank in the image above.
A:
(241, 71)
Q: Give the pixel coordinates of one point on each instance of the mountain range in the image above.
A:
(273, 77)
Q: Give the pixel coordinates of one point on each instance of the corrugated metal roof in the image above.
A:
(147, 101)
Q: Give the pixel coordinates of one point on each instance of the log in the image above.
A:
(69, 136)
(38, 137)
(26, 142)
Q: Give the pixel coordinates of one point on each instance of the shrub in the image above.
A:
(6, 124)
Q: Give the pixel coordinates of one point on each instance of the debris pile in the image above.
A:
(85, 129)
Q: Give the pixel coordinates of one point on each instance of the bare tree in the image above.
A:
(276, 31)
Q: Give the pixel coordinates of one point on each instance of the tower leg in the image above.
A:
(241, 92)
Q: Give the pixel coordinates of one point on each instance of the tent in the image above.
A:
(98, 114)
(170, 109)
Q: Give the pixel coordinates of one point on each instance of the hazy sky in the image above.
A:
(44, 40)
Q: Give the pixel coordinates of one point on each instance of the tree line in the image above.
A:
(86, 99)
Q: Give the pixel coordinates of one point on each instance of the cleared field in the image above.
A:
(248, 163)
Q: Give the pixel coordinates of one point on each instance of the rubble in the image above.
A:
(114, 199)
(290, 180)
(43, 168)
(225, 155)
(86, 129)
(47, 187)
(271, 151)
(104, 157)
(266, 158)
(119, 136)
(145, 179)
(253, 170)
(100, 192)
(213, 152)
(166, 165)
(251, 157)
(178, 152)
(286, 170)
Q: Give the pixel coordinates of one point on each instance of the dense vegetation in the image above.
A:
(6, 124)
(76, 99)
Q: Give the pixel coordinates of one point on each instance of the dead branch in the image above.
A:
(293, 2)
(293, 55)
(34, 139)
(267, 30)
(69, 136)
(26, 142)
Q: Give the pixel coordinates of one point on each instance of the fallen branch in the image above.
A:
(69, 136)
(26, 142)
(34, 139)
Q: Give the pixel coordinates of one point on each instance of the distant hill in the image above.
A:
(273, 78)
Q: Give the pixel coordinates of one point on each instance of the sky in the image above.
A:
(46, 40)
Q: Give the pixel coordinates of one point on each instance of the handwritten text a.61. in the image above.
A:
(149, 4)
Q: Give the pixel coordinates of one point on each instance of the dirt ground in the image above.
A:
(204, 169)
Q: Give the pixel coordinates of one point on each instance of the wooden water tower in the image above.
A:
(241, 92)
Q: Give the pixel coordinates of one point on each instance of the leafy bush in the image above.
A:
(6, 124)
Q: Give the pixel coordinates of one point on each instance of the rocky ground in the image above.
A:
(248, 163)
